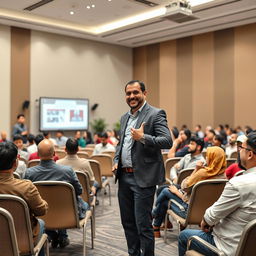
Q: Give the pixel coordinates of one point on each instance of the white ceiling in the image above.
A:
(55, 17)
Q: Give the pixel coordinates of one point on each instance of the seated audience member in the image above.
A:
(87, 136)
(199, 132)
(104, 145)
(80, 140)
(47, 135)
(224, 222)
(21, 168)
(231, 147)
(61, 139)
(209, 138)
(216, 165)
(180, 145)
(221, 131)
(18, 141)
(175, 132)
(195, 148)
(77, 163)
(218, 141)
(112, 139)
(22, 188)
(236, 167)
(32, 147)
(49, 170)
(3, 136)
(20, 128)
(35, 155)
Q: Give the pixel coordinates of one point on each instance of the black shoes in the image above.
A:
(62, 243)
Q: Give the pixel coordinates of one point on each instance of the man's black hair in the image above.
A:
(45, 134)
(198, 141)
(199, 126)
(20, 115)
(39, 138)
(142, 85)
(17, 137)
(8, 154)
(31, 138)
(72, 146)
(104, 135)
(221, 126)
(212, 131)
(175, 132)
(219, 138)
(60, 131)
(251, 140)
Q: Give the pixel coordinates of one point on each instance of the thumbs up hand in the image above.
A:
(137, 134)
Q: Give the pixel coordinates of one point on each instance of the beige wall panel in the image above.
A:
(245, 85)
(224, 77)
(20, 72)
(203, 74)
(153, 74)
(167, 80)
(5, 58)
(184, 82)
(62, 66)
(139, 64)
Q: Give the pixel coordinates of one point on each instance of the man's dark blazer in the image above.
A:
(147, 160)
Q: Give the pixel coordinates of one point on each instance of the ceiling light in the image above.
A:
(93, 5)
(88, 7)
(71, 12)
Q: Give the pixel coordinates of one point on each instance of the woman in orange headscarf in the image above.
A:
(216, 165)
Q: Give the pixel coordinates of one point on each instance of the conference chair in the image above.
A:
(16, 175)
(165, 156)
(246, 245)
(19, 210)
(204, 194)
(239, 173)
(184, 174)
(230, 161)
(234, 155)
(169, 163)
(23, 160)
(90, 146)
(33, 162)
(63, 214)
(110, 153)
(89, 198)
(82, 154)
(60, 153)
(89, 151)
(103, 184)
(8, 239)
(106, 164)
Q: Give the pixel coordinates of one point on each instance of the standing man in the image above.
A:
(20, 128)
(139, 167)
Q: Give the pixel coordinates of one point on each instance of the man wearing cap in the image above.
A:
(224, 222)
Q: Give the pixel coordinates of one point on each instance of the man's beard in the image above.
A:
(192, 152)
(239, 162)
(139, 101)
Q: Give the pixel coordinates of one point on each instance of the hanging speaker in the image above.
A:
(25, 104)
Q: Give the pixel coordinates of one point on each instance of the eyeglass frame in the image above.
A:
(248, 149)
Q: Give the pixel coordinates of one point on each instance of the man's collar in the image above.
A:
(138, 111)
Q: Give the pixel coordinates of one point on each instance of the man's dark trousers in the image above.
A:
(135, 207)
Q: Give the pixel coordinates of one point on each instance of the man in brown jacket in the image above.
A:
(22, 188)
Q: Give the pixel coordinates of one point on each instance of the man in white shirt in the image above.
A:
(224, 221)
(231, 147)
(104, 145)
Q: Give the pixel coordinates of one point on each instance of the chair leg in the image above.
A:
(94, 222)
(109, 194)
(165, 228)
(47, 248)
(92, 231)
(84, 240)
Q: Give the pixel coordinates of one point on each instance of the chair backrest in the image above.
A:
(246, 246)
(231, 161)
(8, 239)
(105, 164)
(33, 162)
(90, 146)
(82, 154)
(16, 175)
(165, 156)
(19, 210)
(95, 165)
(60, 153)
(89, 151)
(110, 153)
(239, 173)
(234, 155)
(184, 174)
(204, 194)
(84, 180)
(169, 163)
(61, 198)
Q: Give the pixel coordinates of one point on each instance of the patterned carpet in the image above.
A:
(110, 238)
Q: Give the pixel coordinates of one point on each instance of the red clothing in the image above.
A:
(232, 170)
(35, 156)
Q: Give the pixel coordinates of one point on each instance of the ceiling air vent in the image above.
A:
(145, 2)
(37, 5)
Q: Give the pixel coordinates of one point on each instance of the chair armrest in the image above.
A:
(105, 183)
(206, 244)
(40, 244)
(178, 204)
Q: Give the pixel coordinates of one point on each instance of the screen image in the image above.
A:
(63, 114)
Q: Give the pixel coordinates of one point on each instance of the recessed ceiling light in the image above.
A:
(88, 7)
(71, 12)
(109, 0)
(93, 5)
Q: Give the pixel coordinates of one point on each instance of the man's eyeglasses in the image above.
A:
(248, 149)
